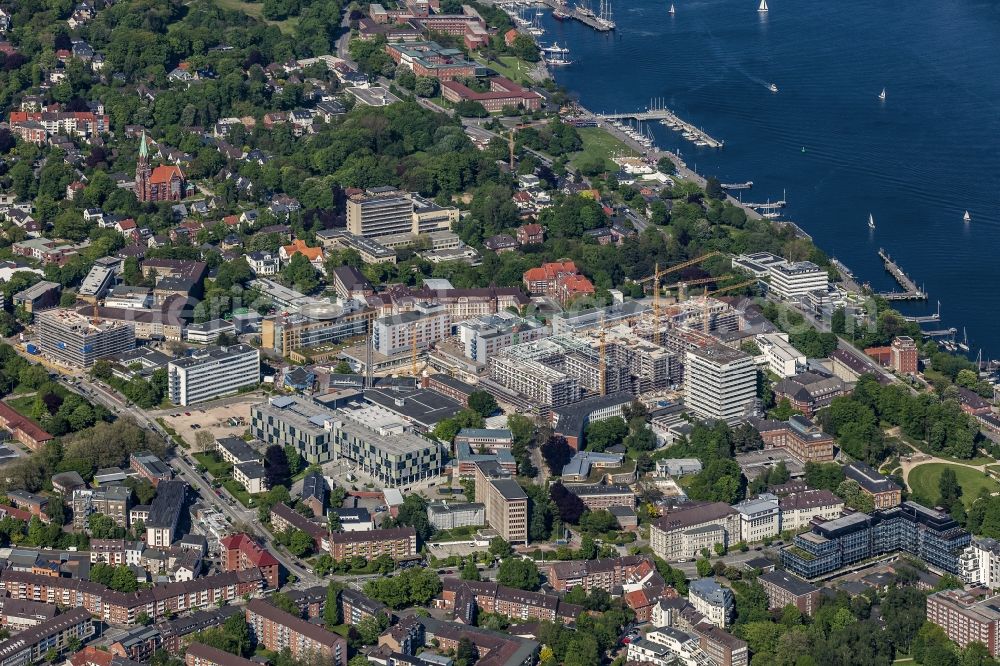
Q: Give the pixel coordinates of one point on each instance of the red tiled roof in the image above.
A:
(257, 555)
(165, 173)
(17, 421)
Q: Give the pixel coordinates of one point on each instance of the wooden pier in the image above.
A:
(911, 292)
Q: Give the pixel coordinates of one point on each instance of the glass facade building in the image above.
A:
(931, 535)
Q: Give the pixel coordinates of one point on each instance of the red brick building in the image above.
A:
(23, 429)
(965, 619)
(800, 436)
(605, 574)
(903, 355)
(783, 589)
(531, 234)
(460, 595)
(503, 93)
(121, 608)
(398, 543)
(276, 630)
(164, 183)
(240, 552)
(199, 654)
(559, 279)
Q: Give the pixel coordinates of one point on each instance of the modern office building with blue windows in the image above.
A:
(929, 534)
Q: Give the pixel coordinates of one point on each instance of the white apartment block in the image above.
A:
(760, 518)
(212, 373)
(685, 648)
(484, 336)
(719, 383)
(782, 358)
(422, 327)
(786, 279)
(798, 509)
(537, 382)
(979, 563)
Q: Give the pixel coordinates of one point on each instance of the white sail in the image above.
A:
(763, 6)
(672, 10)
(967, 217)
(871, 221)
(881, 95)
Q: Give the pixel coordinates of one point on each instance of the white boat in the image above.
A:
(671, 10)
(762, 7)
(556, 49)
(871, 221)
(881, 95)
(772, 87)
(967, 217)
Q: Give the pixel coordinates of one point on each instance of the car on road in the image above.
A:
(187, 413)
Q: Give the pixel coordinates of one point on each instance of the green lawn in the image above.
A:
(237, 491)
(598, 143)
(217, 467)
(256, 10)
(508, 66)
(923, 481)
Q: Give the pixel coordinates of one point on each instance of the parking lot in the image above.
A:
(212, 417)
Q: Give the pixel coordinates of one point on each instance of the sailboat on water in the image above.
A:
(762, 7)
(871, 221)
(881, 95)
(671, 11)
(967, 217)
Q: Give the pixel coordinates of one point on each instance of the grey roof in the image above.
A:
(167, 504)
(252, 470)
(509, 489)
(422, 406)
(211, 354)
(239, 449)
(786, 581)
(868, 478)
(314, 485)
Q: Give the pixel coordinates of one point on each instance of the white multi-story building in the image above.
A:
(782, 358)
(719, 383)
(264, 263)
(211, 373)
(979, 563)
(537, 382)
(798, 509)
(712, 600)
(423, 326)
(485, 335)
(786, 279)
(686, 648)
(760, 518)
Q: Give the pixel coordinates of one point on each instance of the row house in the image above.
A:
(464, 597)
(84, 124)
(120, 608)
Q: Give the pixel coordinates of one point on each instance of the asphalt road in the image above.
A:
(185, 470)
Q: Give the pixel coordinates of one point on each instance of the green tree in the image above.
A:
(469, 570)
(519, 573)
(331, 610)
(483, 403)
(704, 567)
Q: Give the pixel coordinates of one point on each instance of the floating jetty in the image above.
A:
(910, 290)
(667, 117)
(738, 186)
(927, 319)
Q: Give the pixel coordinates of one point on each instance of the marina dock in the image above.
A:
(668, 118)
(601, 24)
(910, 290)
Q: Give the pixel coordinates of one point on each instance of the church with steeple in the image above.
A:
(162, 183)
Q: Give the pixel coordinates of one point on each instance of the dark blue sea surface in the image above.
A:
(916, 161)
